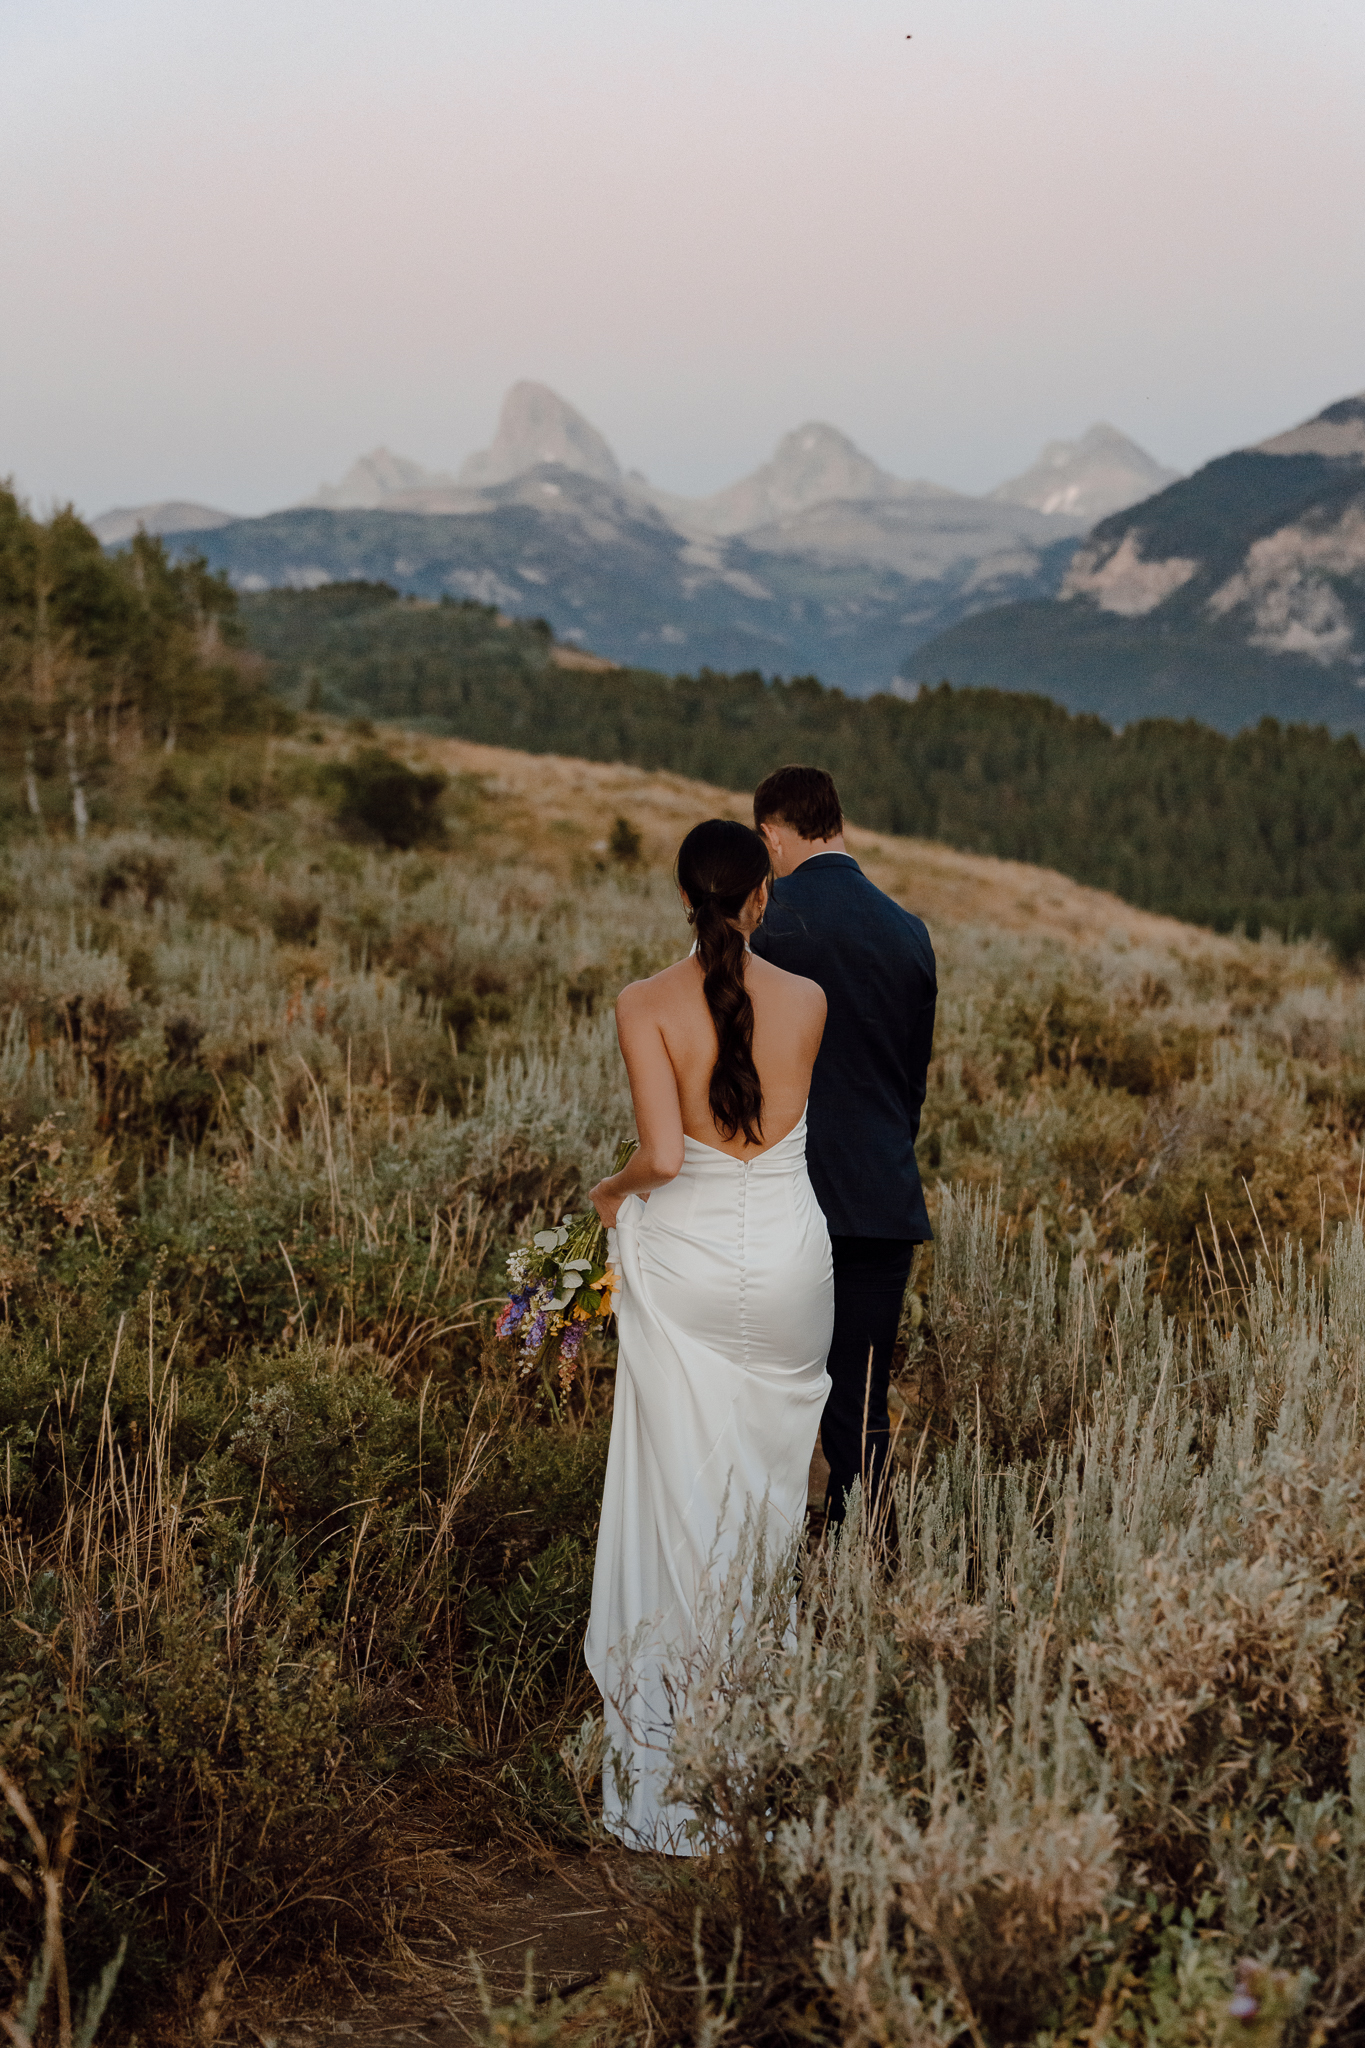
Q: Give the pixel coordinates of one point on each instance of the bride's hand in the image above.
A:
(606, 1204)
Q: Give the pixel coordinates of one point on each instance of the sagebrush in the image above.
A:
(287, 1542)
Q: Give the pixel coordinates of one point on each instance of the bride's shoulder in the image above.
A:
(657, 990)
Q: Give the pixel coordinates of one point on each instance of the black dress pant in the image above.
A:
(855, 1430)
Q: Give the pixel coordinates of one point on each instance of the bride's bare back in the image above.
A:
(669, 1043)
(669, 1039)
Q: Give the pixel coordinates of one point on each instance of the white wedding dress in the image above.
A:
(725, 1319)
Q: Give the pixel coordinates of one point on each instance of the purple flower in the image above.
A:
(573, 1341)
(512, 1314)
(535, 1335)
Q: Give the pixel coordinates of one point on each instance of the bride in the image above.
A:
(726, 1308)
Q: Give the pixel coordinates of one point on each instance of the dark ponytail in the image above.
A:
(720, 864)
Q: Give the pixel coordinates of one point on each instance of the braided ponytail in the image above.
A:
(720, 864)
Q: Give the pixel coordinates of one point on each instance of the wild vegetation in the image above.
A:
(102, 656)
(297, 1040)
(1265, 830)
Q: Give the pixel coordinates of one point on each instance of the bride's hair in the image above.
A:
(720, 864)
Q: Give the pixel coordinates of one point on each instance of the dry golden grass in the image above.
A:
(559, 807)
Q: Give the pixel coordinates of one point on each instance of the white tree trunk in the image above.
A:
(73, 775)
(31, 782)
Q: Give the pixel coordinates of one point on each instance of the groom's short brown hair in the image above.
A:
(804, 798)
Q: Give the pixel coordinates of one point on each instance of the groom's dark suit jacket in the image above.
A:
(876, 966)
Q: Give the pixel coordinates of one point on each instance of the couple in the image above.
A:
(763, 1233)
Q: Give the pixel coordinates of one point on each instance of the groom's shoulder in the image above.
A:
(836, 888)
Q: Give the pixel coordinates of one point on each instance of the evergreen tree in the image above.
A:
(102, 655)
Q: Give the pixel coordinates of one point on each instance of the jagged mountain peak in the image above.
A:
(1104, 471)
(537, 426)
(816, 462)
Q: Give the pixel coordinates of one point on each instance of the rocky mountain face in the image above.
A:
(820, 561)
(1088, 479)
(1235, 594)
(1229, 595)
(537, 426)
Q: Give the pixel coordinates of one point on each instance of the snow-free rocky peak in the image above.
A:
(813, 465)
(1234, 594)
(537, 426)
(1101, 473)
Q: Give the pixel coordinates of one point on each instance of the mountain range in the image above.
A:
(820, 561)
(1234, 594)
(1097, 578)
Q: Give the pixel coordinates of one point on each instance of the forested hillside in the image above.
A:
(1263, 829)
(102, 656)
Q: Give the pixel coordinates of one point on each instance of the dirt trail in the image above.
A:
(566, 1916)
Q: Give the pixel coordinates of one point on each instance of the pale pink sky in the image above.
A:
(240, 243)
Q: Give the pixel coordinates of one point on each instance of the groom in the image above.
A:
(876, 966)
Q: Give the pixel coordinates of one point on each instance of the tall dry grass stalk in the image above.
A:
(49, 1986)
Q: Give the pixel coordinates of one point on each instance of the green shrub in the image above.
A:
(382, 796)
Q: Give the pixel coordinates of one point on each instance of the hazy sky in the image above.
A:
(241, 243)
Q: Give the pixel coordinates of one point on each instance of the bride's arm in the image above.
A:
(658, 1112)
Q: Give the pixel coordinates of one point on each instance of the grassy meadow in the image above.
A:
(287, 1547)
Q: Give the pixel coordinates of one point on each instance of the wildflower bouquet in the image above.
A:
(560, 1284)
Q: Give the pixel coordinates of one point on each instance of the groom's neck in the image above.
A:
(794, 852)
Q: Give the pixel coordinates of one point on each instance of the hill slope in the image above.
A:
(541, 794)
(1235, 594)
(1265, 829)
